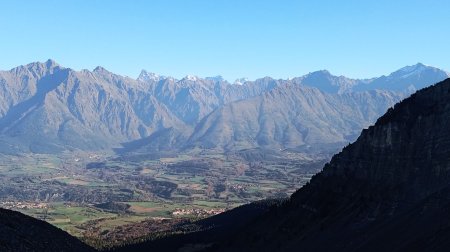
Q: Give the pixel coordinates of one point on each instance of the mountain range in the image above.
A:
(47, 108)
(387, 191)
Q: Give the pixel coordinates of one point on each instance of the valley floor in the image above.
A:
(111, 200)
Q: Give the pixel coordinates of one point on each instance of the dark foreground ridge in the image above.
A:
(203, 234)
(19, 232)
(388, 191)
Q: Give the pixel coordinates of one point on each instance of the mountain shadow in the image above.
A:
(19, 232)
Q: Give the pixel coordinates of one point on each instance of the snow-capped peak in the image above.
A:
(240, 81)
(146, 76)
(408, 71)
(190, 78)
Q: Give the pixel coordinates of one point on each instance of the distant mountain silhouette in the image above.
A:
(406, 79)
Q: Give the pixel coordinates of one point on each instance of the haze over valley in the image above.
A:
(93, 152)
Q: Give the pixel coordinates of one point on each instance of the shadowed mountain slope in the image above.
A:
(19, 232)
(387, 191)
(208, 231)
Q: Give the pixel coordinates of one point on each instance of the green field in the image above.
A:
(68, 190)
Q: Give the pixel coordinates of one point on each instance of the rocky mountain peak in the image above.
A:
(38, 69)
(100, 69)
(415, 70)
(145, 76)
(241, 81)
(417, 67)
(190, 78)
(51, 63)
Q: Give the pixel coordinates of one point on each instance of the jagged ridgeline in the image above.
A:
(46, 108)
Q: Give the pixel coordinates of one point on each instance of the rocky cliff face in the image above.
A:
(389, 190)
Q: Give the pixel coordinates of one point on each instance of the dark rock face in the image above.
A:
(19, 232)
(388, 191)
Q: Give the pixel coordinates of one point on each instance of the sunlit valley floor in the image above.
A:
(108, 200)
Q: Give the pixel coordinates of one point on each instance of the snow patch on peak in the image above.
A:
(146, 76)
(191, 78)
(240, 81)
(408, 71)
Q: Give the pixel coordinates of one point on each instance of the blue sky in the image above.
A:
(232, 38)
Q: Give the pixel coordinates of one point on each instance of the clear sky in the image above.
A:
(232, 38)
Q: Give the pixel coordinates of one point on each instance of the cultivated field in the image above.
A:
(96, 196)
